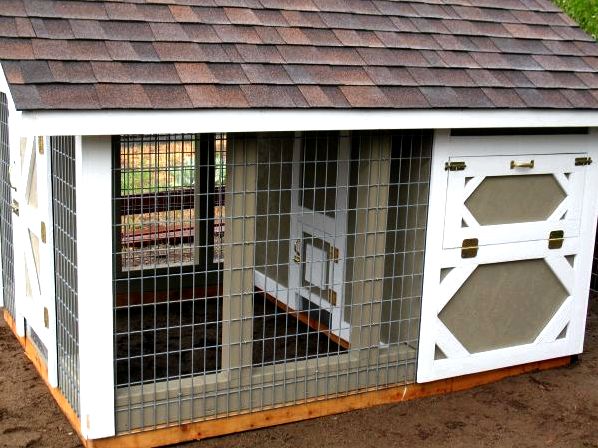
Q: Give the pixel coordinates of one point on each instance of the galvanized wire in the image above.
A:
(64, 215)
(261, 270)
(6, 233)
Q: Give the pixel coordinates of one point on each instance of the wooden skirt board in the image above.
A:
(310, 409)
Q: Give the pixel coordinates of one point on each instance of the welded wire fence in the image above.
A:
(6, 232)
(64, 214)
(261, 270)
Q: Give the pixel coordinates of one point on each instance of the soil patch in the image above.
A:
(556, 408)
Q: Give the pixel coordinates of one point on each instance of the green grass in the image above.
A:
(584, 12)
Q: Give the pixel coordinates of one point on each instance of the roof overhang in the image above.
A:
(272, 120)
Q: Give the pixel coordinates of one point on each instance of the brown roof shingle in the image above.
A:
(160, 54)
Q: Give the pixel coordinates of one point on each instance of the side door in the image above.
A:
(504, 278)
(319, 228)
(33, 255)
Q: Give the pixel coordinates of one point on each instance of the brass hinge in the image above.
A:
(454, 166)
(556, 239)
(469, 248)
(43, 232)
(46, 317)
(332, 297)
(40, 145)
(583, 161)
(333, 254)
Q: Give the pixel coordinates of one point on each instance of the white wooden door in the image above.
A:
(33, 255)
(507, 265)
(319, 228)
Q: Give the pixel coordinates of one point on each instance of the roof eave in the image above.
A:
(114, 122)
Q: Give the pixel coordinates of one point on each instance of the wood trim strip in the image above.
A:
(314, 408)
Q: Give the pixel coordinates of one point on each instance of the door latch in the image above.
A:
(297, 247)
(15, 207)
(454, 166)
(469, 248)
(333, 254)
(556, 239)
(583, 161)
(332, 297)
(43, 232)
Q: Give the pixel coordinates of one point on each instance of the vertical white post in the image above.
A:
(47, 279)
(94, 252)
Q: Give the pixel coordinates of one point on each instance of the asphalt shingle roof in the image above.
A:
(182, 54)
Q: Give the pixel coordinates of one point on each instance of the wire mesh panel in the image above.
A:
(6, 234)
(64, 210)
(261, 270)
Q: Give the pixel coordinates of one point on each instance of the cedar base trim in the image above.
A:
(312, 408)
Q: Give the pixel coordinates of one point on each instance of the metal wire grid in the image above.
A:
(6, 234)
(64, 210)
(319, 291)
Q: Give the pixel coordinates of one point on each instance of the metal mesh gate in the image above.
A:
(6, 234)
(262, 270)
(64, 210)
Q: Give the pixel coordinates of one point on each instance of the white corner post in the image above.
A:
(94, 255)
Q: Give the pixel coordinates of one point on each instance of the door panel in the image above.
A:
(31, 251)
(497, 204)
(518, 293)
(319, 228)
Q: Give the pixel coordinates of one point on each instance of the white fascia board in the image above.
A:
(269, 120)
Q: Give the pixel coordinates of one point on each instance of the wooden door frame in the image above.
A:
(446, 146)
(337, 227)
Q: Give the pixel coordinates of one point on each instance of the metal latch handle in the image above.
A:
(515, 164)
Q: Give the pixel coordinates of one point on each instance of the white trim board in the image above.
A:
(270, 120)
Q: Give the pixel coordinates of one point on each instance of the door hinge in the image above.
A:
(332, 297)
(556, 239)
(469, 248)
(333, 254)
(40, 145)
(454, 166)
(43, 231)
(297, 251)
(46, 318)
(583, 161)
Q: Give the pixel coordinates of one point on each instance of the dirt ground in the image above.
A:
(557, 408)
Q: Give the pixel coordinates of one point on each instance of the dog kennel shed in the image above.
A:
(228, 214)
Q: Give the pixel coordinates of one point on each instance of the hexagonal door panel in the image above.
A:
(513, 199)
(507, 199)
(504, 304)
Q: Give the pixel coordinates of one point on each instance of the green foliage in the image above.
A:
(584, 12)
